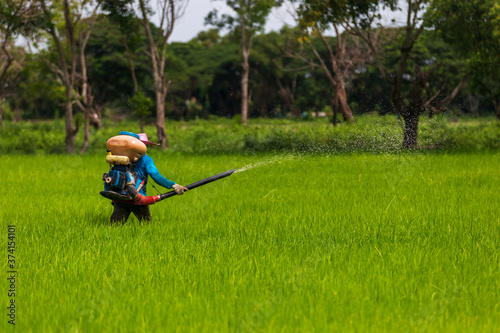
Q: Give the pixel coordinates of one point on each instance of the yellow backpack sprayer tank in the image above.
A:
(119, 182)
(127, 145)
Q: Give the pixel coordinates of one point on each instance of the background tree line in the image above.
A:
(84, 60)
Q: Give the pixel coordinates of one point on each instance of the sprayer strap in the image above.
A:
(142, 184)
(155, 188)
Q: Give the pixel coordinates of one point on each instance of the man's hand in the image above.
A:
(179, 189)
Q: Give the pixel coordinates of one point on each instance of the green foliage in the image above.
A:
(108, 64)
(476, 136)
(7, 113)
(253, 14)
(209, 69)
(38, 94)
(429, 51)
(207, 39)
(141, 104)
(473, 29)
(370, 133)
(20, 18)
(194, 108)
(327, 12)
(472, 26)
(122, 13)
(307, 116)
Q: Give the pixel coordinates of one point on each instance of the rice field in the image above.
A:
(291, 243)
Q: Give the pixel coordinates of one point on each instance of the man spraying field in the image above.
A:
(129, 151)
(125, 182)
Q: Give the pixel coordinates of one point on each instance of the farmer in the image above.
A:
(144, 167)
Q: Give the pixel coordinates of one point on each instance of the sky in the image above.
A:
(192, 21)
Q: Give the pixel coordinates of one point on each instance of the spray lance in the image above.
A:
(134, 195)
(119, 181)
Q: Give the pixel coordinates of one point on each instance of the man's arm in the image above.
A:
(155, 174)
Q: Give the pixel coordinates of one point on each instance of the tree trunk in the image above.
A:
(178, 111)
(244, 89)
(157, 62)
(86, 134)
(335, 110)
(160, 117)
(287, 96)
(473, 104)
(86, 102)
(68, 115)
(496, 105)
(410, 131)
(96, 116)
(337, 61)
(1, 114)
(263, 110)
(88, 97)
(97, 119)
(130, 63)
(341, 98)
(245, 45)
(17, 110)
(17, 114)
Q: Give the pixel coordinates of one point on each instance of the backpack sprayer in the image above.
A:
(119, 181)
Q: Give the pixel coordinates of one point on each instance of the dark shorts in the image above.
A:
(122, 211)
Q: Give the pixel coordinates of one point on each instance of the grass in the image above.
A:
(358, 242)
(369, 133)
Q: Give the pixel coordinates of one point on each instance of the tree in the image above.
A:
(268, 80)
(473, 28)
(122, 14)
(341, 60)
(338, 64)
(16, 18)
(74, 37)
(250, 18)
(141, 105)
(12, 60)
(361, 18)
(169, 12)
(214, 72)
(116, 52)
(35, 93)
(87, 103)
(287, 70)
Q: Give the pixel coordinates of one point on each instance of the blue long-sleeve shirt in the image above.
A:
(145, 167)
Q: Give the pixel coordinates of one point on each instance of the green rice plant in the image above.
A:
(354, 242)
